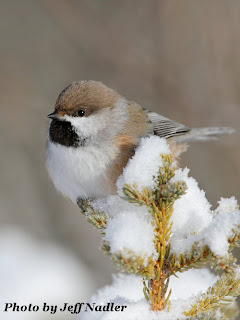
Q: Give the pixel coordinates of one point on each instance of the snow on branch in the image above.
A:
(160, 226)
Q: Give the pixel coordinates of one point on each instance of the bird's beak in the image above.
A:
(55, 116)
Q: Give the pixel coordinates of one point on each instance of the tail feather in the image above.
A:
(204, 134)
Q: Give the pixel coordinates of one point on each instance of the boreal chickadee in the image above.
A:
(94, 131)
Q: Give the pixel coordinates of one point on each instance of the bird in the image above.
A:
(94, 131)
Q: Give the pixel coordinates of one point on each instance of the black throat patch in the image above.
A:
(63, 133)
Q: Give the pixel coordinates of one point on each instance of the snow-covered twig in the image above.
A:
(160, 224)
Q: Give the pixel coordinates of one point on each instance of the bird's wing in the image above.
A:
(164, 127)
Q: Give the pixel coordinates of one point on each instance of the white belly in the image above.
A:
(79, 172)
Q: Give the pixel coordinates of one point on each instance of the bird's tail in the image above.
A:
(204, 134)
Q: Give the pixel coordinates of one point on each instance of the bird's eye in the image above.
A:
(81, 113)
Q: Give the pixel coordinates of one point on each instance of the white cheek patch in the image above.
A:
(104, 124)
(89, 126)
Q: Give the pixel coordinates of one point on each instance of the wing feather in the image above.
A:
(164, 127)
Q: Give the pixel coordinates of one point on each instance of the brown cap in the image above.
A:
(89, 95)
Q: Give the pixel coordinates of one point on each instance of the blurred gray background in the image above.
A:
(179, 58)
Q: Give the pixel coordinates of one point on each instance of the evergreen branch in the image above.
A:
(159, 202)
(226, 264)
(197, 258)
(97, 218)
(134, 196)
(229, 311)
(167, 171)
(131, 263)
(162, 209)
(222, 292)
(234, 241)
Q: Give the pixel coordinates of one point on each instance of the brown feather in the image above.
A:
(89, 95)
(138, 123)
(126, 150)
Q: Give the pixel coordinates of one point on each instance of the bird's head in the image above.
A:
(87, 111)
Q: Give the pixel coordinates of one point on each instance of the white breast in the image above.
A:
(80, 172)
